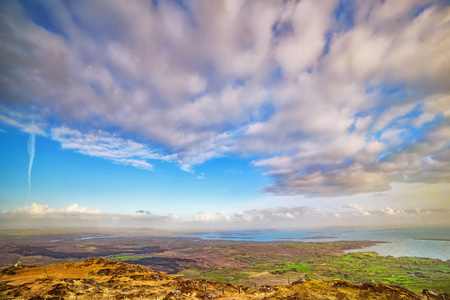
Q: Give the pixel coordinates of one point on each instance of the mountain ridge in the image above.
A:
(100, 278)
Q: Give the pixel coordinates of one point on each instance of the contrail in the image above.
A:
(31, 151)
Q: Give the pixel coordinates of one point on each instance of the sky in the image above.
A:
(228, 114)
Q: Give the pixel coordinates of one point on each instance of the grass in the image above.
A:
(128, 257)
(294, 267)
(222, 278)
(412, 273)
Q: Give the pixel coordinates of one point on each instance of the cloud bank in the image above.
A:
(282, 217)
(334, 98)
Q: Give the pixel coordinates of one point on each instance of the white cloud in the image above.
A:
(43, 209)
(310, 21)
(321, 108)
(75, 208)
(357, 208)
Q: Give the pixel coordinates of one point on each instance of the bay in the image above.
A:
(411, 242)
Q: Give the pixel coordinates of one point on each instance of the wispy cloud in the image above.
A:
(23, 123)
(103, 145)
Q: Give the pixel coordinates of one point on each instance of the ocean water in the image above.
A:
(412, 242)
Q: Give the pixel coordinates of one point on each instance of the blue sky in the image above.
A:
(116, 188)
(224, 114)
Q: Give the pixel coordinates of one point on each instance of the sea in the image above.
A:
(397, 242)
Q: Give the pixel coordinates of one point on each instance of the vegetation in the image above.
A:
(127, 257)
(412, 273)
(240, 263)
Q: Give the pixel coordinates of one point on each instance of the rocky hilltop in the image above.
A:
(105, 279)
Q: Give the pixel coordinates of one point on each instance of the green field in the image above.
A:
(412, 273)
(127, 257)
